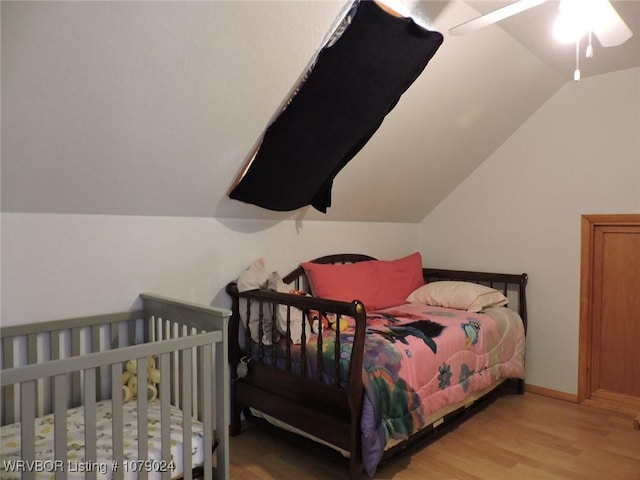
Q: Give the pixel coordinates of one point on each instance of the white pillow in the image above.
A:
(295, 316)
(255, 276)
(459, 295)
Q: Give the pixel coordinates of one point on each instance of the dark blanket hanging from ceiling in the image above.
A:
(357, 78)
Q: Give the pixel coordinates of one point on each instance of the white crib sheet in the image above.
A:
(76, 466)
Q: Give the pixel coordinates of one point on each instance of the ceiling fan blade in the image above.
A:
(495, 16)
(611, 29)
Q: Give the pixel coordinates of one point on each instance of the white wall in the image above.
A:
(109, 106)
(59, 266)
(520, 210)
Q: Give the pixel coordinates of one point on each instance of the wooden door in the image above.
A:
(610, 312)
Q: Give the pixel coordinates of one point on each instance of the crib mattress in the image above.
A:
(76, 466)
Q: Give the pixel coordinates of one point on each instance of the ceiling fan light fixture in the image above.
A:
(576, 18)
(568, 29)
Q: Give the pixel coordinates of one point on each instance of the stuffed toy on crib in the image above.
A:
(130, 380)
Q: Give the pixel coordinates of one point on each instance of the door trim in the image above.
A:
(588, 228)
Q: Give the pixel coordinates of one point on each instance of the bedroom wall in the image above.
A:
(577, 154)
(109, 105)
(123, 125)
(59, 266)
(520, 210)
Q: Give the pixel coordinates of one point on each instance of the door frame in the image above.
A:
(589, 225)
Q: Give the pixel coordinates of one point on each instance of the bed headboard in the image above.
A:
(513, 286)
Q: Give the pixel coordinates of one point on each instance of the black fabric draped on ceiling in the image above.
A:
(356, 79)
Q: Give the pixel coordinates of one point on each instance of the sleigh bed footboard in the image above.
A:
(314, 384)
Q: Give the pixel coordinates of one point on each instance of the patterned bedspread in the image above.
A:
(419, 359)
(76, 466)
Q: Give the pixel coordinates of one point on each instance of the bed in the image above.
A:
(407, 352)
(66, 413)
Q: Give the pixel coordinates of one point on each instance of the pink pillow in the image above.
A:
(376, 283)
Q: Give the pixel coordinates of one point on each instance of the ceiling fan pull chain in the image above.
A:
(589, 52)
(576, 73)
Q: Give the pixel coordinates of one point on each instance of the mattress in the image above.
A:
(76, 466)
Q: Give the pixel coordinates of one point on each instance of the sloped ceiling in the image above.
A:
(150, 108)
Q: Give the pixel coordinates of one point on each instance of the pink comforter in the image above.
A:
(419, 359)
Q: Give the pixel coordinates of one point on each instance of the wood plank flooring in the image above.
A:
(516, 437)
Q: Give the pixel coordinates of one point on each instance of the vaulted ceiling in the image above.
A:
(151, 108)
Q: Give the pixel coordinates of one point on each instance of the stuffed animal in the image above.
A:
(319, 322)
(340, 326)
(316, 321)
(130, 380)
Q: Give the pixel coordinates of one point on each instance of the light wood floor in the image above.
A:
(517, 437)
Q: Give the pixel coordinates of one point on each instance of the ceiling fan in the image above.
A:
(576, 19)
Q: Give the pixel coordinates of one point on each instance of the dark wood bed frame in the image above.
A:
(331, 412)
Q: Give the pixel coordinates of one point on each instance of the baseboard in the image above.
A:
(615, 402)
(603, 400)
(547, 392)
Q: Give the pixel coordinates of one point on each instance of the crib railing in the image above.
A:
(80, 361)
(38, 343)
